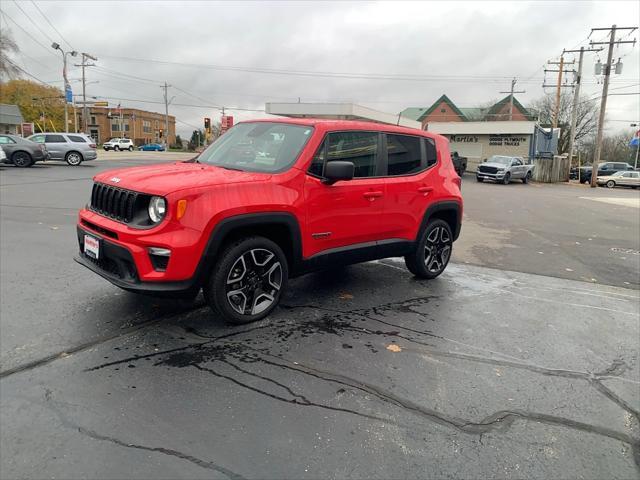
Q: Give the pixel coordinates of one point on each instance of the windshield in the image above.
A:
(499, 159)
(258, 147)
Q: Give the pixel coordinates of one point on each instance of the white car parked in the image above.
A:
(119, 144)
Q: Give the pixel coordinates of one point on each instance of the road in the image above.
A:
(363, 372)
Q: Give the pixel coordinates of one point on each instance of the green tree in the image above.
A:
(34, 100)
(178, 142)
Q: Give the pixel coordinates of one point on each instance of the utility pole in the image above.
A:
(511, 92)
(605, 91)
(85, 120)
(576, 99)
(559, 85)
(166, 113)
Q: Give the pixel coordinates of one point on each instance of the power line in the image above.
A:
(52, 26)
(26, 73)
(32, 21)
(48, 49)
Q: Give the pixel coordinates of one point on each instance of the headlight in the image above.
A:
(157, 209)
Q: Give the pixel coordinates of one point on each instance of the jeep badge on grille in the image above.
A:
(115, 179)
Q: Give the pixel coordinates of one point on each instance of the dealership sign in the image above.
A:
(507, 140)
(463, 138)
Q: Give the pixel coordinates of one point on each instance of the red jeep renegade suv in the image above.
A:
(270, 200)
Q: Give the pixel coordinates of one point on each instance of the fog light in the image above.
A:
(162, 252)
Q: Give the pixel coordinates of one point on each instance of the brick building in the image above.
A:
(140, 125)
(444, 110)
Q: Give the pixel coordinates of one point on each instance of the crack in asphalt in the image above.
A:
(50, 404)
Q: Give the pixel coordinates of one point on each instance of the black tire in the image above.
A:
(131, 149)
(22, 159)
(262, 273)
(610, 184)
(506, 179)
(479, 179)
(436, 236)
(526, 178)
(73, 158)
(116, 148)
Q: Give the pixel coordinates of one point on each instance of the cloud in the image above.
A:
(469, 50)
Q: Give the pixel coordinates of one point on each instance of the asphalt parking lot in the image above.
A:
(520, 361)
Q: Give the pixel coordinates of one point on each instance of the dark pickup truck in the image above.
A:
(459, 163)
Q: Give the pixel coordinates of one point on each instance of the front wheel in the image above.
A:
(507, 178)
(116, 148)
(526, 178)
(479, 179)
(611, 184)
(433, 251)
(248, 280)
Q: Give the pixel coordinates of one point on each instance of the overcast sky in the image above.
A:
(468, 50)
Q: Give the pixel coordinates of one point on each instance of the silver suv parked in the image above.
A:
(74, 148)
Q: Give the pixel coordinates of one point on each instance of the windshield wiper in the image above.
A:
(229, 168)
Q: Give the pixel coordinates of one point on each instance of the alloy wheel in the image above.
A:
(254, 281)
(437, 249)
(74, 159)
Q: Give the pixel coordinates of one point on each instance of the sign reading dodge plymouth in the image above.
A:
(507, 140)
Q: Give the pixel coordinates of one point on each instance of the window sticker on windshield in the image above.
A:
(307, 132)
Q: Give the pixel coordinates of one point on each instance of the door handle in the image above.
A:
(372, 195)
(425, 190)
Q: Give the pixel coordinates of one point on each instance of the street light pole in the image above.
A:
(67, 86)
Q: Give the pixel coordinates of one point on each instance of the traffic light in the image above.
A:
(207, 124)
(160, 133)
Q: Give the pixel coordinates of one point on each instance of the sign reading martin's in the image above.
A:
(507, 140)
(463, 138)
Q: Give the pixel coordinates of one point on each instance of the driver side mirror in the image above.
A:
(338, 170)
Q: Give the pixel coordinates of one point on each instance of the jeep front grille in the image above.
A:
(113, 202)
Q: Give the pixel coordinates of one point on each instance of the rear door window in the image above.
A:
(432, 154)
(404, 155)
(37, 139)
(361, 148)
(54, 139)
(77, 139)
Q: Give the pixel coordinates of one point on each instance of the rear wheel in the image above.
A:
(433, 252)
(507, 178)
(131, 149)
(248, 280)
(73, 158)
(22, 159)
(611, 184)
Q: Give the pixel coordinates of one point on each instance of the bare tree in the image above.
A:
(615, 148)
(587, 118)
(8, 69)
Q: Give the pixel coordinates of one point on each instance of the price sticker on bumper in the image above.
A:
(91, 246)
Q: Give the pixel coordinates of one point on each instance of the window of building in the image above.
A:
(93, 120)
(361, 148)
(146, 126)
(404, 154)
(157, 125)
(115, 125)
(55, 139)
(432, 154)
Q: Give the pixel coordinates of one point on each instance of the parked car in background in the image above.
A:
(118, 144)
(73, 148)
(21, 151)
(459, 163)
(503, 169)
(604, 170)
(620, 179)
(152, 147)
(3, 156)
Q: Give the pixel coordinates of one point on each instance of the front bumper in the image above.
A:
(491, 176)
(117, 265)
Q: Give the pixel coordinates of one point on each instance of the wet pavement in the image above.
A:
(362, 372)
(480, 373)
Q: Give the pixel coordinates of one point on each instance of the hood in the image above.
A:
(494, 164)
(166, 178)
